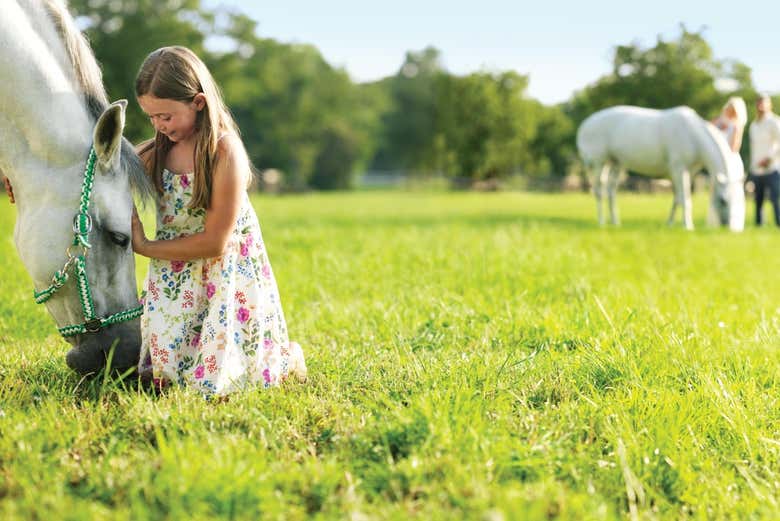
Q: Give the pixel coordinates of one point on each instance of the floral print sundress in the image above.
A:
(214, 324)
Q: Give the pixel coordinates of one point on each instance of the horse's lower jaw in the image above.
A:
(120, 344)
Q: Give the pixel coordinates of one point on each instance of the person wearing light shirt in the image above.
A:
(765, 157)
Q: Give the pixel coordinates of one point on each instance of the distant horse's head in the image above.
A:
(727, 203)
(64, 227)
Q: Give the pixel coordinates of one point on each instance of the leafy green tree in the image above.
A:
(409, 126)
(484, 124)
(288, 100)
(552, 146)
(471, 127)
(332, 167)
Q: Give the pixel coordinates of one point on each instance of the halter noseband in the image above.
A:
(82, 225)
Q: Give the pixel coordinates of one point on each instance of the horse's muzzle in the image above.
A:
(119, 343)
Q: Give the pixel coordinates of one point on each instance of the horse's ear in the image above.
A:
(107, 137)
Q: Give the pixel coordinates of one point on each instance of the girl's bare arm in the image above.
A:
(227, 191)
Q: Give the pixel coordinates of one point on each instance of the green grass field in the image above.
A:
(474, 356)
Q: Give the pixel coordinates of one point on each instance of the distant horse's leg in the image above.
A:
(687, 202)
(615, 174)
(676, 176)
(670, 220)
(600, 187)
(713, 219)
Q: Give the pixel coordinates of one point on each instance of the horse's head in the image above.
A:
(727, 175)
(65, 226)
(727, 206)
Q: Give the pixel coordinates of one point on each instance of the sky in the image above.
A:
(561, 45)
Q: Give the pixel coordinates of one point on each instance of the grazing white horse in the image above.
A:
(673, 143)
(73, 220)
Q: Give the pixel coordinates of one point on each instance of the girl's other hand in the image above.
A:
(139, 236)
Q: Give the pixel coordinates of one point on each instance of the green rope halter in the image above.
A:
(82, 226)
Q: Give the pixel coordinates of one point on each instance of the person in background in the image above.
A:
(732, 122)
(764, 152)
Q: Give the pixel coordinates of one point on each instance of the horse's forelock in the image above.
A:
(95, 106)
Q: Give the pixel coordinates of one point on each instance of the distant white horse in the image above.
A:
(61, 147)
(673, 143)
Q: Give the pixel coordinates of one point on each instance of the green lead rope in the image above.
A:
(82, 226)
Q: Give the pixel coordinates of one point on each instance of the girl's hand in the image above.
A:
(139, 236)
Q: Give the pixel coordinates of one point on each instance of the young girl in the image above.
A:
(212, 315)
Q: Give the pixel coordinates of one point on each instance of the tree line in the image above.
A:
(310, 121)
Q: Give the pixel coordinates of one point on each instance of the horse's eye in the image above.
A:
(120, 239)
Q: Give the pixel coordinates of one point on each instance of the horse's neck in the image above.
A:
(43, 117)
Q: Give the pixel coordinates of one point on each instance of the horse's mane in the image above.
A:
(90, 82)
(85, 67)
(714, 137)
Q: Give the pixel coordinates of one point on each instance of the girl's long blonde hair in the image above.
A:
(177, 73)
(740, 109)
